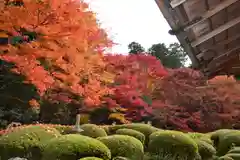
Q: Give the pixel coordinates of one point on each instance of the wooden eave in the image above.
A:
(209, 30)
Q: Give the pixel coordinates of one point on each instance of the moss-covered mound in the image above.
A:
(227, 142)
(74, 146)
(205, 150)
(235, 150)
(172, 144)
(63, 129)
(123, 145)
(120, 158)
(91, 158)
(225, 158)
(201, 136)
(25, 142)
(218, 134)
(234, 156)
(130, 132)
(93, 131)
(146, 129)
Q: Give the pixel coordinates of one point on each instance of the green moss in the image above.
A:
(205, 150)
(130, 132)
(172, 144)
(63, 129)
(143, 128)
(219, 134)
(123, 145)
(74, 146)
(90, 158)
(227, 142)
(93, 131)
(120, 158)
(106, 129)
(201, 136)
(234, 156)
(25, 142)
(225, 158)
(235, 150)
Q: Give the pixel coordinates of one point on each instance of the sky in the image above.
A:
(132, 20)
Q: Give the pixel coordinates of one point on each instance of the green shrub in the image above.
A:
(106, 129)
(227, 142)
(93, 131)
(143, 128)
(63, 129)
(234, 156)
(235, 150)
(120, 158)
(74, 146)
(217, 135)
(205, 150)
(172, 144)
(201, 136)
(123, 145)
(130, 132)
(90, 158)
(225, 158)
(25, 141)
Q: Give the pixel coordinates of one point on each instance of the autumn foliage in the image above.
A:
(66, 47)
(59, 47)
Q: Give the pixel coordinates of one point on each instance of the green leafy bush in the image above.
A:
(120, 158)
(146, 129)
(201, 136)
(225, 158)
(172, 144)
(25, 141)
(63, 129)
(227, 142)
(74, 146)
(130, 132)
(90, 158)
(205, 150)
(234, 156)
(235, 150)
(218, 134)
(123, 145)
(93, 131)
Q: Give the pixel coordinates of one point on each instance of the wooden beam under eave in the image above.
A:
(222, 43)
(215, 63)
(175, 3)
(181, 37)
(215, 32)
(211, 13)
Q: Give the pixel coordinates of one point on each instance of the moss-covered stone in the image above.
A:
(74, 146)
(130, 132)
(90, 158)
(173, 144)
(93, 131)
(123, 145)
(25, 142)
(227, 142)
(205, 150)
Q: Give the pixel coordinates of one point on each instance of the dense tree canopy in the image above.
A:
(172, 56)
